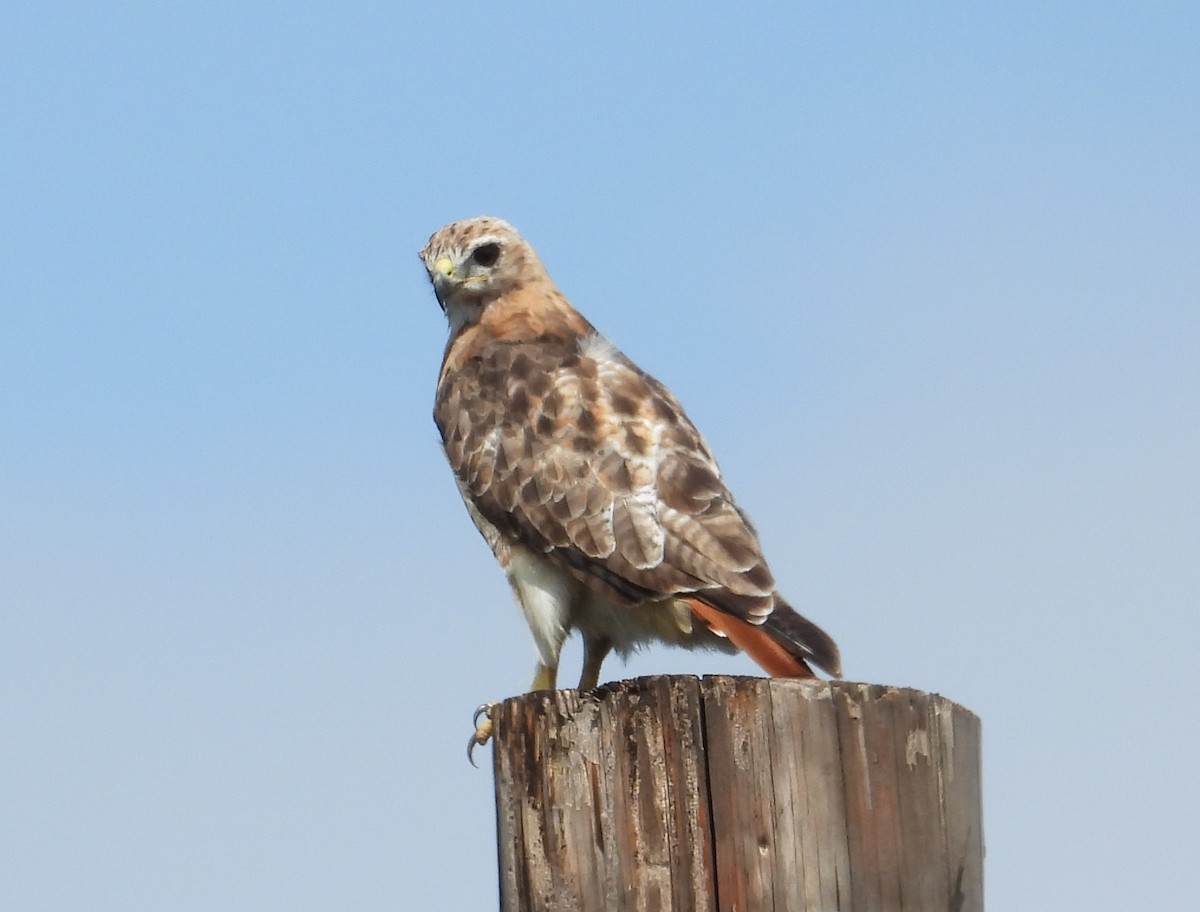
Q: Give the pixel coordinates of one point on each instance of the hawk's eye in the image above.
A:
(486, 255)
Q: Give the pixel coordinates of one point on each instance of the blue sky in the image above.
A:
(927, 276)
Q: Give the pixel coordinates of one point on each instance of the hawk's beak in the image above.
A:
(446, 279)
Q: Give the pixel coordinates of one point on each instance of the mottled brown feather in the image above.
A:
(657, 516)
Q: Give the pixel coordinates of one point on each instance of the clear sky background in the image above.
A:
(926, 275)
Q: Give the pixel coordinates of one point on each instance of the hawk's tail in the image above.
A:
(802, 638)
(782, 645)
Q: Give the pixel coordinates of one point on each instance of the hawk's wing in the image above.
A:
(574, 450)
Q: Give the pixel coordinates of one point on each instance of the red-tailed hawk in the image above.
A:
(599, 497)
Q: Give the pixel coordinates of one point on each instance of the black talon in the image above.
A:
(471, 751)
(485, 709)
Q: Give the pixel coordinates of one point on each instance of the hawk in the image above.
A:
(598, 496)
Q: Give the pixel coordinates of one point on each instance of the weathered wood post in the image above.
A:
(746, 794)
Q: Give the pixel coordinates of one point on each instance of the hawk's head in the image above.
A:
(473, 262)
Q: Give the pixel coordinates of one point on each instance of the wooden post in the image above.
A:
(738, 795)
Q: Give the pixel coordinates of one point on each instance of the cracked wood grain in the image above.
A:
(723, 794)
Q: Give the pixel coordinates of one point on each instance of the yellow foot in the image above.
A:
(483, 730)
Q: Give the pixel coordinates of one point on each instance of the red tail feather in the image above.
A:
(754, 641)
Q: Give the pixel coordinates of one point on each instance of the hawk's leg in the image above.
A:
(595, 651)
(544, 678)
